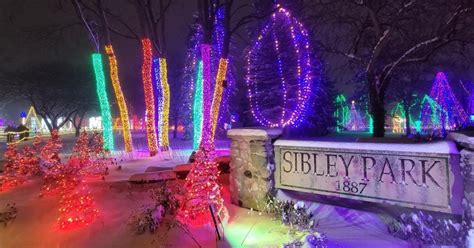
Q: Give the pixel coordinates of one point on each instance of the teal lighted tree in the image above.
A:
(341, 113)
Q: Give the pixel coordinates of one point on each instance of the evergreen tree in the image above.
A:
(189, 77)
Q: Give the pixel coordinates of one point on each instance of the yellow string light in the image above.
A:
(166, 104)
(127, 137)
(218, 91)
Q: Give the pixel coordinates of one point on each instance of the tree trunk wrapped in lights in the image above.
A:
(149, 96)
(197, 109)
(218, 91)
(206, 96)
(103, 101)
(165, 89)
(127, 137)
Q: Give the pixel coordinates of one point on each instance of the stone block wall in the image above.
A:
(252, 165)
(467, 170)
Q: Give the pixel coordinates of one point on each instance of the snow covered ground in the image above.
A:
(36, 222)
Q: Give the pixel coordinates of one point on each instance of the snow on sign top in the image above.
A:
(421, 176)
(254, 132)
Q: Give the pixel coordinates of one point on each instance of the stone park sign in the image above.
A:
(422, 176)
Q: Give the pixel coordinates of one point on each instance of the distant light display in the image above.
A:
(433, 116)
(453, 112)
(341, 113)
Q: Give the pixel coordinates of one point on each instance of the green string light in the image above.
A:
(197, 108)
(341, 114)
(103, 101)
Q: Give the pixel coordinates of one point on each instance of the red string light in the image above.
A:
(149, 96)
(202, 189)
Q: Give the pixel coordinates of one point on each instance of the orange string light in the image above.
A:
(149, 97)
(127, 137)
(219, 89)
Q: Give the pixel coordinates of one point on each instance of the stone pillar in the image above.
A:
(252, 165)
(467, 170)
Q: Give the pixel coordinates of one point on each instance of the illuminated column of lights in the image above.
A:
(206, 95)
(127, 137)
(197, 108)
(149, 96)
(304, 74)
(218, 91)
(443, 95)
(158, 98)
(341, 113)
(217, 55)
(165, 89)
(103, 102)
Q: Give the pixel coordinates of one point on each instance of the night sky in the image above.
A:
(27, 39)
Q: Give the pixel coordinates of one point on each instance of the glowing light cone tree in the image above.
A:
(202, 189)
(356, 121)
(442, 93)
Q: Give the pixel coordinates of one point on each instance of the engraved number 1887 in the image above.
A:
(351, 187)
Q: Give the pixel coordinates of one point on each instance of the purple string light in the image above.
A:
(293, 113)
(452, 115)
(207, 93)
(158, 97)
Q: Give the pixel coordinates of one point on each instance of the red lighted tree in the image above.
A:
(77, 208)
(50, 151)
(10, 179)
(202, 189)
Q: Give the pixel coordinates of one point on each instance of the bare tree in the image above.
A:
(48, 89)
(378, 37)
